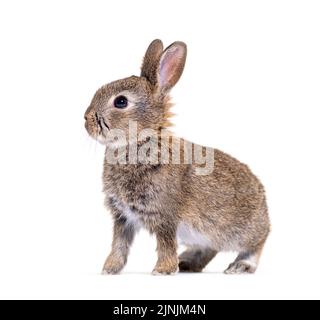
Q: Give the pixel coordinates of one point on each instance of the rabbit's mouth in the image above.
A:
(103, 126)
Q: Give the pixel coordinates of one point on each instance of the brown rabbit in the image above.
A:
(220, 211)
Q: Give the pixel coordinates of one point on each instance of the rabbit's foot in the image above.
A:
(195, 259)
(246, 262)
(166, 268)
(113, 266)
(189, 266)
(240, 267)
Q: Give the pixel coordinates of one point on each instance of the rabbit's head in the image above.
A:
(141, 99)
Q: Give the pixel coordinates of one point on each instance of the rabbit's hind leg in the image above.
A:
(195, 259)
(246, 262)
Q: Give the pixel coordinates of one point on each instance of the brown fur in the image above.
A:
(228, 206)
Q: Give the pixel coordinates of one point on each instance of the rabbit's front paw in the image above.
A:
(165, 268)
(113, 266)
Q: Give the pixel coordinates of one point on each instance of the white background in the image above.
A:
(250, 88)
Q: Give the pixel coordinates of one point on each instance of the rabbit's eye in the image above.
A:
(121, 102)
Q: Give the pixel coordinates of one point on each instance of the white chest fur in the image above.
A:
(185, 233)
(132, 218)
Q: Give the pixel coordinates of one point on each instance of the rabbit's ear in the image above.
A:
(171, 65)
(151, 61)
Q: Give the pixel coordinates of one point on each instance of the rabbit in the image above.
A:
(224, 210)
